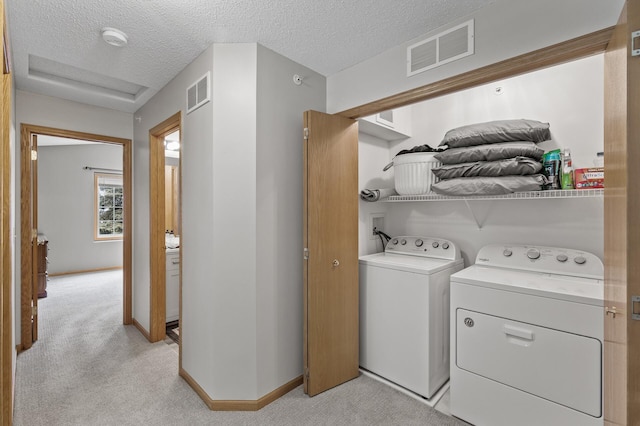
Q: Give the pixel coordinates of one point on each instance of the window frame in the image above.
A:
(96, 210)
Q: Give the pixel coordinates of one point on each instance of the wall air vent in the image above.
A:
(198, 93)
(449, 45)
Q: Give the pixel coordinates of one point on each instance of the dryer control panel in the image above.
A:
(423, 246)
(552, 260)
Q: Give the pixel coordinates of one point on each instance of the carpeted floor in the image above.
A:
(89, 369)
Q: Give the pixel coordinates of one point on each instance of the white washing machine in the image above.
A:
(404, 312)
(527, 338)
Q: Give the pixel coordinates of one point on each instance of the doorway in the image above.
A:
(28, 223)
(165, 227)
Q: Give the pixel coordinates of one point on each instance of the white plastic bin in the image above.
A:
(413, 174)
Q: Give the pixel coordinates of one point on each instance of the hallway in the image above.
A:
(89, 369)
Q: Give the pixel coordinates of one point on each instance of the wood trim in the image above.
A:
(305, 267)
(26, 273)
(6, 48)
(616, 219)
(633, 219)
(278, 392)
(140, 328)
(6, 258)
(71, 134)
(240, 405)
(19, 348)
(196, 387)
(26, 130)
(157, 254)
(34, 236)
(86, 271)
(580, 47)
(127, 244)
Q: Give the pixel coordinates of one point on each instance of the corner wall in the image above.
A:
(232, 255)
(281, 104)
(197, 209)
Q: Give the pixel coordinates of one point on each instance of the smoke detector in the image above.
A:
(114, 37)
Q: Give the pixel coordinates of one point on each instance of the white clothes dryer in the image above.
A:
(404, 312)
(527, 338)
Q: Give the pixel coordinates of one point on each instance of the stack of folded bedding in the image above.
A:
(494, 158)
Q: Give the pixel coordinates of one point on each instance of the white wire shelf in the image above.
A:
(531, 195)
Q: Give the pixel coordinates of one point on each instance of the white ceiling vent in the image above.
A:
(198, 93)
(449, 45)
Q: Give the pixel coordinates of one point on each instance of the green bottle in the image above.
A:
(566, 180)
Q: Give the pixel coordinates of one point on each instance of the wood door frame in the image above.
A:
(157, 253)
(7, 350)
(26, 133)
(570, 50)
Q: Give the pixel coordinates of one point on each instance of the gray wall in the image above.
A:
(62, 114)
(279, 213)
(242, 207)
(503, 29)
(66, 206)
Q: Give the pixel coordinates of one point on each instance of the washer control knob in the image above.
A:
(403, 241)
(562, 258)
(533, 254)
(435, 244)
(507, 252)
(419, 242)
(394, 241)
(445, 245)
(580, 260)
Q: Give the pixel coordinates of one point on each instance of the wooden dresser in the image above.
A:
(43, 250)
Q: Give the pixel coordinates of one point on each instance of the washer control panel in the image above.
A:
(423, 246)
(553, 260)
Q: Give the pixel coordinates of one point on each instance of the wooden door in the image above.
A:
(622, 222)
(28, 246)
(331, 236)
(34, 236)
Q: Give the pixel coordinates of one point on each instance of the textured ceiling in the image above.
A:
(57, 49)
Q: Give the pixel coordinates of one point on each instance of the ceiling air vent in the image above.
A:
(449, 45)
(198, 93)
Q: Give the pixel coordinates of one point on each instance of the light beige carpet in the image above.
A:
(89, 369)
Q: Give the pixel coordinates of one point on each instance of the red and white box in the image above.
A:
(590, 178)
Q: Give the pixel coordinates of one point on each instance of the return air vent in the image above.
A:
(452, 44)
(198, 93)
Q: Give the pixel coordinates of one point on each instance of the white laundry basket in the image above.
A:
(413, 174)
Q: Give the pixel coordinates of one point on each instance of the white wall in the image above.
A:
(197, 232)
(503, 29)
(66, 206)
(373, 155)
(61, 114)
(570, 98)
(232, 250)
(279, 214)
(242, 226)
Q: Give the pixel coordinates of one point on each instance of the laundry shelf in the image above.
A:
(531, 195)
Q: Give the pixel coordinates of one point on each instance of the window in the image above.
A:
(108, 208)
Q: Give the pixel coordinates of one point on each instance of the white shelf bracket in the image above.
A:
(473, 214)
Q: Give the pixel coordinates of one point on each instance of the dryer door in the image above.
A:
(561, 367)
